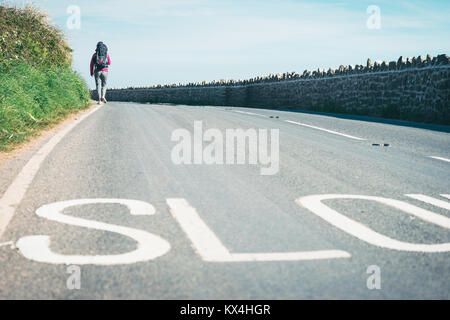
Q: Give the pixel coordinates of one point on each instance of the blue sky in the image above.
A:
(172, 41)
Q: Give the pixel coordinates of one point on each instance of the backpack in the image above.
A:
(101, 56)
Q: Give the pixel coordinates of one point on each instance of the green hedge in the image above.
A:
(26, 35)
(37, 85)
(33, 98)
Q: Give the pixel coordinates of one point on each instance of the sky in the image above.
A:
(177, 41)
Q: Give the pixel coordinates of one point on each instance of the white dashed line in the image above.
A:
(305, 125)
(440, 158)
(16, 191)
(326, 130)
(250, 113)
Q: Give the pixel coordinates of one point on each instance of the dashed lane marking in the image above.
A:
(326, 130)
(440, 158)
(305, 125)
(251, 113)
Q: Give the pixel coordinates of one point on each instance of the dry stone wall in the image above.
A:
(416, 89)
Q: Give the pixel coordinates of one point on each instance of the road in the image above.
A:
(226, 231)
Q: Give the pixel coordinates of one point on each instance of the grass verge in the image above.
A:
(32, 99)
(38, 88)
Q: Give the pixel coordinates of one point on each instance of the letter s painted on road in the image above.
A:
(149, 246)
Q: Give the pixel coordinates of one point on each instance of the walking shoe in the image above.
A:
(104, 100)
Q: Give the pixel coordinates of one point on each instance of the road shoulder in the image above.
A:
(12, 162)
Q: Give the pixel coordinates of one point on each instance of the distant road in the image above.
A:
(226, 231)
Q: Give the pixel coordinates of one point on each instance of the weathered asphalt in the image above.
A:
(123, 151)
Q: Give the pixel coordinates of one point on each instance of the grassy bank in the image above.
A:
(38, 88)
(32, 99)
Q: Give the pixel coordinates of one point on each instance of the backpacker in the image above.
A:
(101, 56)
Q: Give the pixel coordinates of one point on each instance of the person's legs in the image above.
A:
(104, 78)
(98, 83)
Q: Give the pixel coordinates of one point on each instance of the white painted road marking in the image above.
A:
(430, 200)
(251, 113)
(37, 248)
(211, 249)
(440, 158)
(206, 243)
(16, 191)
(9, 243)
(360, 231)
(326, 130)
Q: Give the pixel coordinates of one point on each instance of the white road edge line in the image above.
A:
(440, 158)
(211, 249)
(250, 113)
(326, 130)
(16, 191)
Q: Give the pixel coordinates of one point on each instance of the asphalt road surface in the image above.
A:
(344, 217)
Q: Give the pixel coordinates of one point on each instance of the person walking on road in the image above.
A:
(99, 69)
